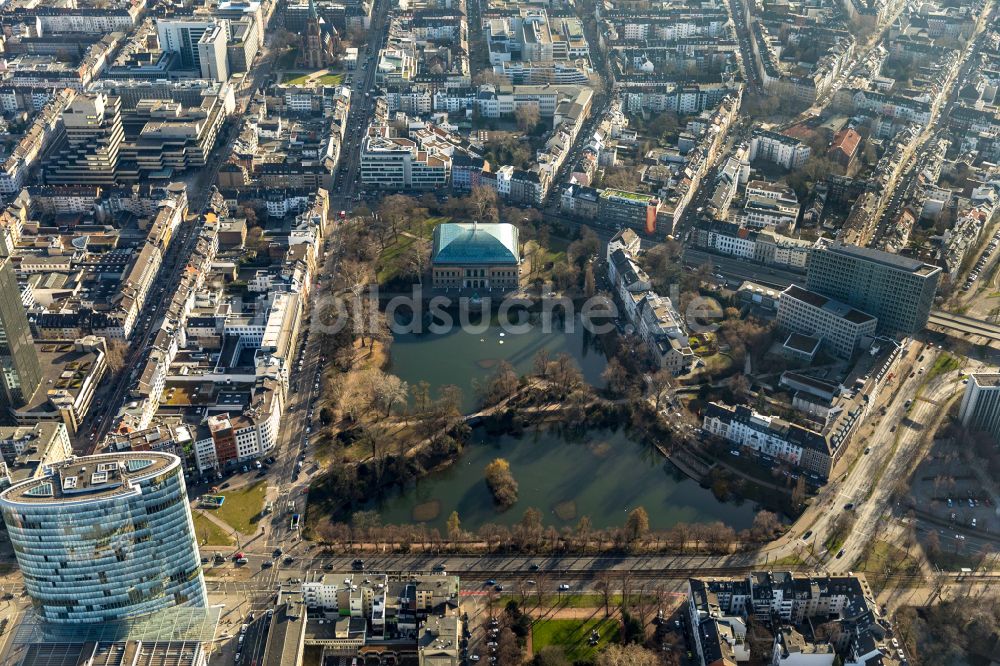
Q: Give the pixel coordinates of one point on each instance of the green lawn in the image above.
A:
(399, 252)
(885, 554)
(545, 259)
(835, 542)
(573, 636)
(208, 533)
(944, 363)
(242, 507)
(793, 560)
(302, 78)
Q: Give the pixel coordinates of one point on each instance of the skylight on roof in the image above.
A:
(136, 464)
(41, 490)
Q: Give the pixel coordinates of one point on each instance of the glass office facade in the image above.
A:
(119, 547)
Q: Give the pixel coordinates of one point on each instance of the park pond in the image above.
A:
(603, 474)
(463, 357)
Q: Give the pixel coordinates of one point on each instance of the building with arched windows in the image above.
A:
(484, 257)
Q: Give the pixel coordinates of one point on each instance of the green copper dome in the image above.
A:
(474, 243)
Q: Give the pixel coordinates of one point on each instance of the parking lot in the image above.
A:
(949, 497)
(982, 263)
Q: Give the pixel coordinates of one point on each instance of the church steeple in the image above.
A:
(318, 47)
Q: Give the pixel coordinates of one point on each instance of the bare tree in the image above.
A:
(454, 527)
(659, 383)
(583, 529)
(115, 351)
(527, 116)
(501, 385)
(637, 524)
(396, 210)
(484, 203)
(489, 77)
(627, 655)
(740, 386)
(508, 650)
(604, 586)
(375, 437)
(355, 276)
(388, 391)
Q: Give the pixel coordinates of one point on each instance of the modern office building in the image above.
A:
(981, 404)
(105, 537)
(86, 153)
(117, 653)
(20, 371)
(401, 163)
(213, 53)
(840, 327)
(896, 290)
(187, 38)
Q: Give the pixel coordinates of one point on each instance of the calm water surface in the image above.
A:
(462, 358)
(603, 475)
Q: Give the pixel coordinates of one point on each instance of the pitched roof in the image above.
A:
(846, 141)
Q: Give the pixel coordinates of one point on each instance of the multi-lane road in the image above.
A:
(347, 182)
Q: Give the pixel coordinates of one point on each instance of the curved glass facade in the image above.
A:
(112, 549)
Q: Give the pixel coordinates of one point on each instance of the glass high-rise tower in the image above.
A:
(105, 537)
(20, 371)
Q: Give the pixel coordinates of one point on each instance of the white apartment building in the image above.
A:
(765, 213)
(654, 316)
(400, 163)
(782, 150)
(740, 245)
(768, 190)
(769, 435)
(504, 176)
(95, 22)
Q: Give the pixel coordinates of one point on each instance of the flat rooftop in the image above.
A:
(91, 477)
(842, 310)
(885, 258)
(64, 368)
(284, 637)
(806, 344)
(986, 380)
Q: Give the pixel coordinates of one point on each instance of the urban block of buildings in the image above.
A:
(654, 316)
(722, 610)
